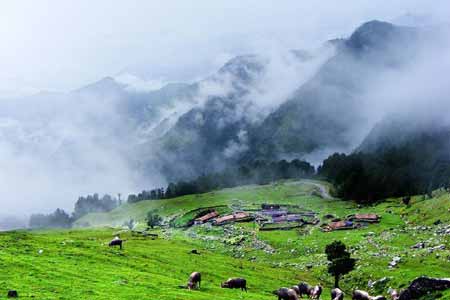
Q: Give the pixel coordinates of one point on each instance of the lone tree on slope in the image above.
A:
(153, 219)
(340, 262)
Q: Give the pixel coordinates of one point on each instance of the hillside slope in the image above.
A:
(75, 263)
(328, 111)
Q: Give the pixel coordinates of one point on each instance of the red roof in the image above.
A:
(232, 217)
(207, 217)
(366, 217)
(339, 225)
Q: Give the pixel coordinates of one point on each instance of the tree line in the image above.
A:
(393, 172)
(257, 172)
(83, 206)
(147, 195)
(59, 218)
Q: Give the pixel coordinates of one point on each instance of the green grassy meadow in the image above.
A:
(78, 264)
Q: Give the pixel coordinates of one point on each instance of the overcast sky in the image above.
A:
(60, 45)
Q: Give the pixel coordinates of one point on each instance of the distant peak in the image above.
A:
(376, 23)
(241, 60)
(375, 33)
(106, 84)
(107, 79)
(372, 28)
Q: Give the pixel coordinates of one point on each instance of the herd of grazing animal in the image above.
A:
(293, 293)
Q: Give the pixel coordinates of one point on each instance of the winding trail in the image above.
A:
(322, 188)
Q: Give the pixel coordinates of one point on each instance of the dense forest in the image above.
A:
(416, 167)
(93, 203)
(257, 172)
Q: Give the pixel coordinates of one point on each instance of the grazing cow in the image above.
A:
(235, 283)
(394, 294)
(296, 289)
(315, 292)
(286, 294)
(13, 294)
(360, 295)
(303, 288)
(194, 281)
(363, 295)
(337, 294)
(116, 242)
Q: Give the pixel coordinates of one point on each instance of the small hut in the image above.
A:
(206, 218)
(340, 225)
(235, 217)
(366, 218)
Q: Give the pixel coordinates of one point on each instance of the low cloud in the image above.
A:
(49, 159)
(134, 83)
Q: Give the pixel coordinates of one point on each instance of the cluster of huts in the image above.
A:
(275, 216)
(268, 214)
(351, 222)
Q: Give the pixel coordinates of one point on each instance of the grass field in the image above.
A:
(78, 264)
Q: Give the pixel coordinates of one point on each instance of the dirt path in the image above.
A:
(322, 188)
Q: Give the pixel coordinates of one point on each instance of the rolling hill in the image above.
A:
(65, 264)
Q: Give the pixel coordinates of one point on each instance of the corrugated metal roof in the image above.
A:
(367, 216)
(232, 217)
(207, 216)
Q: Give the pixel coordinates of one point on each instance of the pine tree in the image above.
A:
(340, 262)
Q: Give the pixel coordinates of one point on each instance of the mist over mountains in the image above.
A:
(350, 94)
(330, 111)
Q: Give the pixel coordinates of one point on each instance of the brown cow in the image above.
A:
(337, 294)
(363, 295)
(235, 283)
(194, 281)
(315, 292)
(286, 294)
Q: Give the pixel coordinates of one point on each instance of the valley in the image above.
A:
(225, 150)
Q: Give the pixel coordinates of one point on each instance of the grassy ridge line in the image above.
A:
(276, 193)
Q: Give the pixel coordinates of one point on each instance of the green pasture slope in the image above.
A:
(78, 264)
